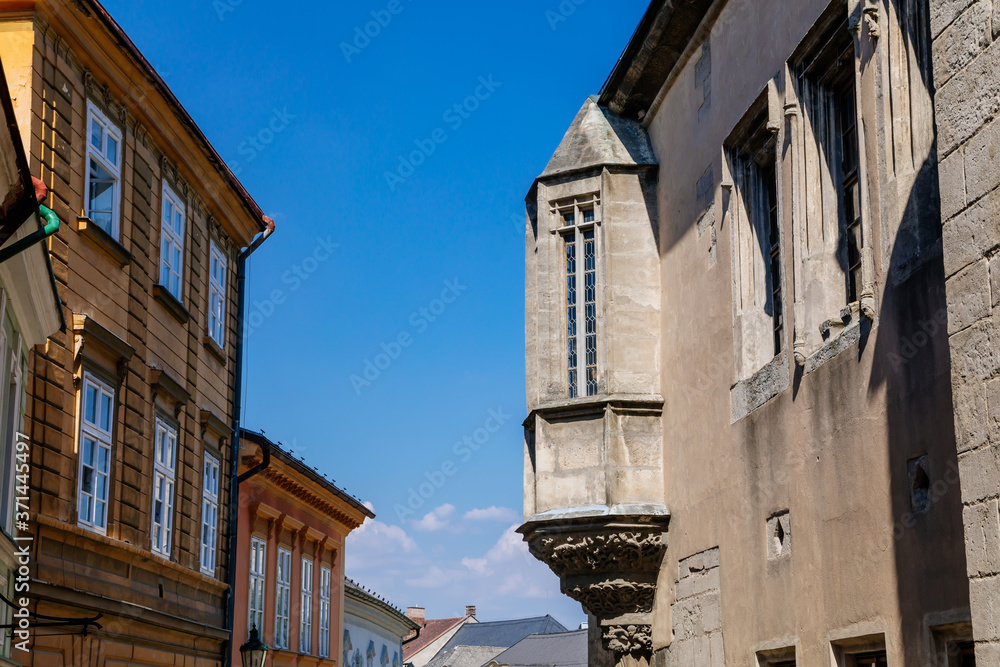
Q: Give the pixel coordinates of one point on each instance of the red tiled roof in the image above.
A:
(433, 628)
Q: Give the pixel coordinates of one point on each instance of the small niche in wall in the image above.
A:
(920, 484)
(779, 535)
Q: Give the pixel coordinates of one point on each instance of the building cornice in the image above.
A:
(293, 487)
(656, 48)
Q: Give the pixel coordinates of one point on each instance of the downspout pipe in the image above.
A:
(50, 228)
(234, 463)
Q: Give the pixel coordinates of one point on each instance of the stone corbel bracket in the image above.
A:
(608, 560)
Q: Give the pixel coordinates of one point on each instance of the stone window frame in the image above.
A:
(827, 60)
(258, 546)
(949, 639)
(325, 591)
(558, 208)
(162, 423)
(210, 500)
(305, 604)
(781, 656)
(282, 621)
(219, 290)
(97, 112)
(847, 650)
(168, 195)
(756, 381)
(93, 376)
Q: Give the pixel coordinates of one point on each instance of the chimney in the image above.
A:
(416, 614)
(470, 610)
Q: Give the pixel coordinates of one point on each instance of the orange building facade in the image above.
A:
(293, 525)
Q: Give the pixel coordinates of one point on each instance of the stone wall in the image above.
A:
(696, 614)
(966, 54)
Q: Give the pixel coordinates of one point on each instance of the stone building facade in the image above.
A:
(290, 585)
(966, 59)
(130, 407)
(745, 323)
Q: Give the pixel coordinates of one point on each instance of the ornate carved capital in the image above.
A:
(609, 563)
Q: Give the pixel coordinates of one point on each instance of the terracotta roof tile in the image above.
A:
(433, 628)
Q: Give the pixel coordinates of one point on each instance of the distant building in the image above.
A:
(373, 630)
(434, 634)
(563, 649)
(477, 643)
(293, 525)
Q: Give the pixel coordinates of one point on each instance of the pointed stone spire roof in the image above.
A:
(598, 137)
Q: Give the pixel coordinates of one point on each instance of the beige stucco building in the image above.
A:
(748, 379)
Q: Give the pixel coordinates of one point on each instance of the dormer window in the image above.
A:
(578, 232)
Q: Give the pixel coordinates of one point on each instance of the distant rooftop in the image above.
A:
(563, 649)
(432, 629)
(502, 633)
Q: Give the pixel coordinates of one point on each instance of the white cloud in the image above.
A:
(445, 569)
(437, 519)
(374, 541)
(492, 513)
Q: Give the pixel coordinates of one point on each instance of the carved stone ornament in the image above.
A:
(609, 563)
(629, 639)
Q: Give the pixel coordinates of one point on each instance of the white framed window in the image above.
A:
(164, 467)
(209, 513)
(96, 422)
(282, 598)
(172, 242)
(324, 612)
(217, 294)
(258, 561)
(104, 158)
(579, 234)
(305, 607)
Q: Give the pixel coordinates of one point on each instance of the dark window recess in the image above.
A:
(872, 660)
(770, 182)
(850, 185)
(965, 654)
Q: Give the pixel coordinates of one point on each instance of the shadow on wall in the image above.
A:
(911, 355)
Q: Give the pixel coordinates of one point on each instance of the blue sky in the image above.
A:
(399, 233)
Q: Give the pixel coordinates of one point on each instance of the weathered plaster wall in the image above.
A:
(833, 446)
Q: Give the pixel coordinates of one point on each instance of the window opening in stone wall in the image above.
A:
(579, 220)
(757, 265)
(850, 186)
(872, 660)
(830, 101)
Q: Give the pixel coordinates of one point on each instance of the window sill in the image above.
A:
(103, 241)
(749, 394)
(841, 338)
(215, 349)
(171, 304)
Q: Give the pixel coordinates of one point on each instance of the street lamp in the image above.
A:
(254, 651)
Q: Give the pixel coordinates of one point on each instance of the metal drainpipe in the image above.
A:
(50, 228)
(234, 463)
